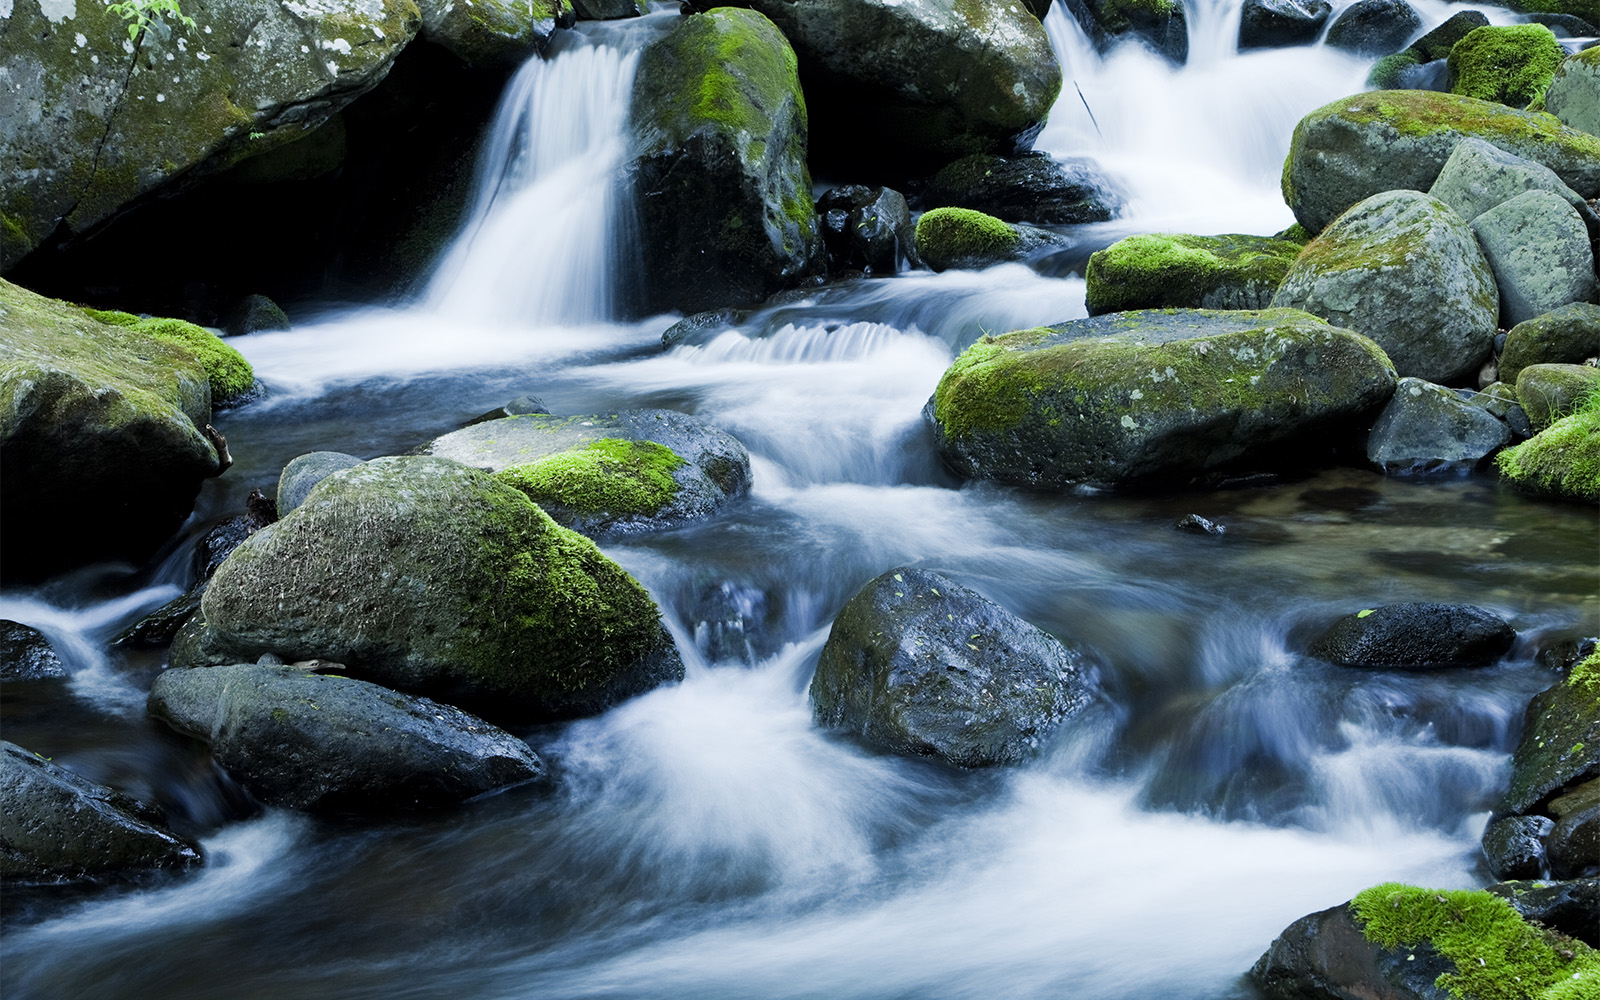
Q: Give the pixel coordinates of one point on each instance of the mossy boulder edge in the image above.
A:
(1178, 270)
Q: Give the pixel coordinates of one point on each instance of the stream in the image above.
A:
(707, 840)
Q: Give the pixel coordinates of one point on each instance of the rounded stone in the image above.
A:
(1574, 94)
(1569, 335)
(1427, 428)
(1539, 250)
(1416, 636)
(303, 473)
(1374, 27)
(1515, 847)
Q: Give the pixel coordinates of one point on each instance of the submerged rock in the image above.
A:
(26, 655)
(57, 826)
(1036, 188)
(918, 664)
(1152, 396)
(1416, 636)
(1427, 427)
(332, 744)
(433, 578)
(1569, 335)
(1508, 64)
(1574, 94)
(1197, 272)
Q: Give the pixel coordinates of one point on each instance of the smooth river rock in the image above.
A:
(1415, 636)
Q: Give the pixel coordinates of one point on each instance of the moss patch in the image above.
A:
(951, 237)
(1418, 113)
(230, 374)
(1512, 65)
(1561, 460)
(1497, 954)
(1155, 271)
(1586, 675)
(611, 476)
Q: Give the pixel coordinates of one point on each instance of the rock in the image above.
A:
(1478, 176)
(1373, 27)
(1538, 248)
(1415, 636)
(160, 627)
(1035, 188)
(1325, 956)
(703, 327)
(57, 826)
(609, 10)
(1396, 71)
(1360, 146)
(896, 89)
(1160, 24)
(1549, 392)
(302, 474)
(1574, 94)
(1565, 25)
(919, 664)
(494, 33)
(1194, 524)
(1197, 272)
(1152, 396)
(26, 655)
(1406, 271)
(865, 229)
(719, 138)
(1515, 848)
(1574, 844)
(256, 314)
(1560, 745)
(1265, 24)
(1571, 907)
(1438, 42)
(1569, 335)
(218, 543)
(433, 578)
(1508, 64)
(102, 122)
(1427, 427)
(1563, 460)
(948, 238)
(519, 407)
(232, 380)
(102, 437)
(326, 743)
(627, 471)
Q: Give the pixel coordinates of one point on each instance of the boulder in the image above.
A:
(948, 238)
(1373, 27)
(103, 437)
(719, 164)
(1549, 392)
(57, 826)
(919, 664)
(1571, 907)
(1427, 428)
(1415, 636)
(1538, 247)
(303, 473)
(1265, 24)
(1396, 71)
(1199, 272)
(1569, 335)
(256, 314)
(1359, 146)
(1035, 188)
(102, 119)
(1563, 460)
(1574, 94)
(1160, 24)
(231, 377)
(1508, 64)
(1152, 396)
(865, 229)
(26, 655)
(1560, 745)
(494, 33)
(627, 471)
(325, 743)
(1438, 41)
(1515, 847)
(897, 88)
(434, 578)
(1573, 846)
(1478, 176)
(1406, 271)
(521, 406)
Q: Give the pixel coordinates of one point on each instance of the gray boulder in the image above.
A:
(494, 33)
(1161, 24)
(326, 743)
(1427, 428)
(918, 664)
(433, 578)
(1374, 27)
(1569, 335)
(1406, 271)
(1415, 636)
(1359, 146)
(1034, 188)
(1152, 395)
(865, 229)
(26, 655)
(57, 826)
(1549, 392)
(1479, 175)
(304, 472)
(95, 121)
(103, 441)
(719, 164)
(1265, 24)
(1574, 94)
(1538, 248)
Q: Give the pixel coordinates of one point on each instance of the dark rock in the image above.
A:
(1574, 845)
(1265, 24)
(1564, 654)
(918, 664)
(1571, 907)
(1515, 847)
(218, 543)
(1564, 25)
(160, 627)
(609, 10)
(703, 326)
(1416, 636)
(256, 314)
(949, 238)
(1162, 25)
(494, 33)
(519, 407)
(1560, 745)
(1036, 189)
(331, 744)
(302, 474)
(1569, 335)
(26, 655)
(1426, 428)
(865, 229)
(1194, 524)
(1437, 43)
(57, 826)
(1325, 956)
(1374, 27)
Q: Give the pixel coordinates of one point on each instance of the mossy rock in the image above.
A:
(1548, 392)
(1152, 395)
(1569, 335)
(948, 238)
(607, 483)
(1176, 270)
(1359, 146)
(433, 578)
(1389, 73)
(1574, 93)
(1560, 745)
(102, 437)
(1587, 10)
(232, 379)
(1511, 64)
(494, 33)
(1562, 460)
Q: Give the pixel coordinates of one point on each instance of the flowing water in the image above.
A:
(707, 840)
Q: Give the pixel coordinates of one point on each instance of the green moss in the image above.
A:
(230, 374)
(746, 75)
(1589, 10)
(1153, 271)
(1386, 72)
(112, 317)
(1512, 65)
(1497, 954)
(611, 476)
(1561, 460)
(1295, 234)
(1420, 113)
(952, 237)
(1586, 675)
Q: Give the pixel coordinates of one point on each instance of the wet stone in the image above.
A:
(26, 655)
(1416, 636)
(1515, 847)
